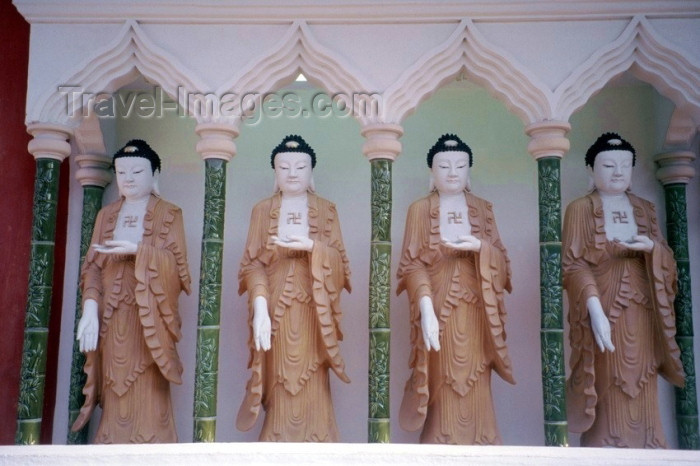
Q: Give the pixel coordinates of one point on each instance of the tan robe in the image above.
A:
(130, 373)
(302, 290)
(449, 392)
(612, 396)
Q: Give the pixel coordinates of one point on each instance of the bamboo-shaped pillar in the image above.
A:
(49, 148)
(548, 144)
(93, 174)
(217, 148)
(381, 148)
(675, 171)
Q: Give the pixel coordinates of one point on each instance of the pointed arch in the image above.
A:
(467, 51)
(298, 51)
(131, 54)
(640, 49)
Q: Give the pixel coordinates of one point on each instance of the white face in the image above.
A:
(612, 171)
(134, 177)
(293, 172)
(450, 171)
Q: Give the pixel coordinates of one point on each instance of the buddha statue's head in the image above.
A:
(135, 166)
(293, 161)
(610, 160)
(449, 161)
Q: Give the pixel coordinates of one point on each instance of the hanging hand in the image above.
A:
(262, 326)
(88, 327)
(429, 324)
(599, 324)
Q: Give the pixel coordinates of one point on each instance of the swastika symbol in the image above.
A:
(454, 217)
(294, 217)
(131, 221)
(619, 217)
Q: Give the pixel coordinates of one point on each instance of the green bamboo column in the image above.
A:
(93, 174)
(675, 172)
(381, 148)
(49, 148)
(216, 147)
(548, 145)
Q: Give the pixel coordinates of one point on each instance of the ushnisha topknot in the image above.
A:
(448, 143)
(139, 148)
(293, 143)
(608, 141)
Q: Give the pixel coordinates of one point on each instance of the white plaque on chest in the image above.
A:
(619, 218)
(294, 218)
(129, 225)
(454, 217)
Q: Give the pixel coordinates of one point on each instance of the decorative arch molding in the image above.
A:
(131, 54)
(467, 51)
(647, 55)
(298, 51)
(88, 138)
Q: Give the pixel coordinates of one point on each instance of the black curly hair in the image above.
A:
(293, 143)
(608, 141)
(448, 142)
(138, 148)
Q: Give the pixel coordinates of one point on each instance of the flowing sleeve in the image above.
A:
(663, 278)
(578, 247)
(413, 277)
(252, 278)
(330, 273)
(493, 270)
(413, 274)
(91, 287)
(91, 270)
(162, 274)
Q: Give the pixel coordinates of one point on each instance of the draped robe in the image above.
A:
(448, 394)
(302, 288)
(136, 359)
(612, 396)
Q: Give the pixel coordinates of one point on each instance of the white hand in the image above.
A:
(298, 242)
(116, 247)
(464, 243)
(429, 324)
(262, 327)
(599, 324)
(88, 327)
(640, 243)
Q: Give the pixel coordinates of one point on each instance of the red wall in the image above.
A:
(17, 170)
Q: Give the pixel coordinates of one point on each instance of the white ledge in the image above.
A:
(274, 11)
(338, 454)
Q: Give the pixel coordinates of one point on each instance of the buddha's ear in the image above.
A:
(275, 187)
(431, 186)
(591, 180)
(468, 184)
(312, 186)
(155, 189)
